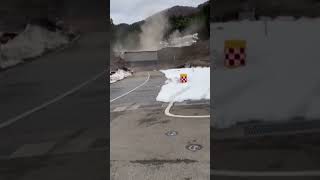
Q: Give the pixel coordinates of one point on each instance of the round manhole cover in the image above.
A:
(171, 133)
(194, 147)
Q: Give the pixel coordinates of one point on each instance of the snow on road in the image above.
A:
(197, 87)
(30, 43)
(119, 75)
(281, 80)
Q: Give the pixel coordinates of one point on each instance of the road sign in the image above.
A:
(183, 78)
(235, 53)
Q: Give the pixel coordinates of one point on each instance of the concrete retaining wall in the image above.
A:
(197, 54)
(141, 56)
(172, 57)
(144, 65)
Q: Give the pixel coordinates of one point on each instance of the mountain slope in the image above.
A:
(180, 18)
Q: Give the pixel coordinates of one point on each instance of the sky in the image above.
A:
(130, 11)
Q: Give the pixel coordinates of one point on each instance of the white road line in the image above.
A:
(265, 173)
(119, 109)
(132, 89)
(134, 107)
(167, 110)
(31, 111)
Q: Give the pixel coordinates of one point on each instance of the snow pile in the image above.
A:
(183, 41)
(32, 42)
(5, 63)
(281, 80)
(197, 87)
(119, 75)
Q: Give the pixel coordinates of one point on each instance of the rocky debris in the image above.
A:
(183, 41)
(117, 62)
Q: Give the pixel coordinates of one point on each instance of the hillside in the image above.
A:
(181, 19)
(227, 10)
(177, 11)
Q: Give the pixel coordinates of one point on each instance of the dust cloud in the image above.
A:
(153, 32)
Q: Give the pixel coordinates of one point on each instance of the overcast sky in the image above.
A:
(130, 11)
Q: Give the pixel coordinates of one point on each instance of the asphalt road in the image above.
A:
(66, 139)
(139, 146)
(272, 157)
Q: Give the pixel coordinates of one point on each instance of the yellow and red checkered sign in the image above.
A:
(235, 53)
(183, 78)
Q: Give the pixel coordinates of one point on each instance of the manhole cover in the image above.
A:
(171, 133)
(194, 147)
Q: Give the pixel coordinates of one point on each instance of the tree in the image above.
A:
(111, 22)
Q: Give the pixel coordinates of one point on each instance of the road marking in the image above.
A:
(119, 109)
(164, 105)
(188, 103)
(265, 173)
(167, 110)
(27, 113)
(29, 150)
(132, 89)
(134, 107)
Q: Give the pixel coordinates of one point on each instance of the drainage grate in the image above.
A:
(194, 147)
(287, 127)
(172, 133)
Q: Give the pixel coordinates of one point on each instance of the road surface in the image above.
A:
(139, 146)
(47, 135)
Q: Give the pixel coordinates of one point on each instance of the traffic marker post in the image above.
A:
(235, 53)
(183, 78)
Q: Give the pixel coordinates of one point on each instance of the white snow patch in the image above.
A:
(119, 75)
(281, 79)
(197, 87)
(183, 41)
(32, 42)
(4, 63)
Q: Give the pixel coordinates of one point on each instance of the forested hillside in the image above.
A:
(178, 19)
